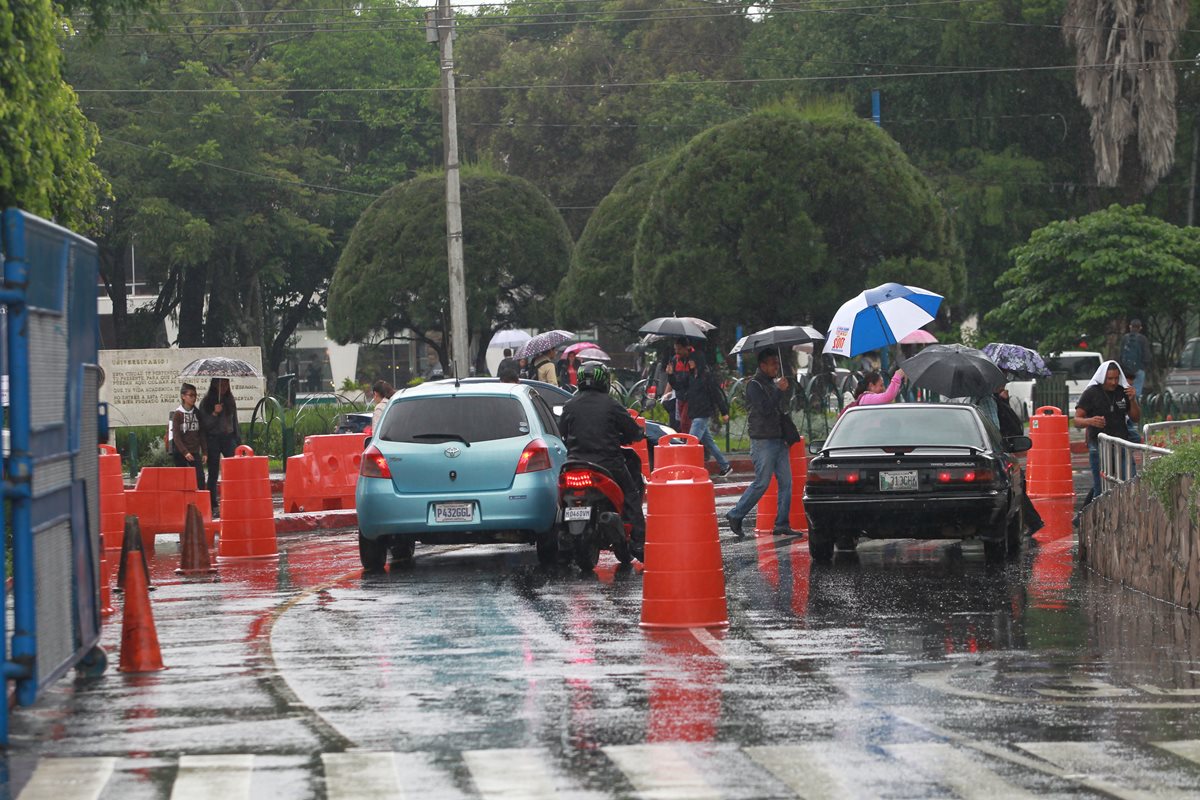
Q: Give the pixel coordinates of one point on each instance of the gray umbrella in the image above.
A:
(953, 370)
(543, 343)
(220, 367)
(677, 327)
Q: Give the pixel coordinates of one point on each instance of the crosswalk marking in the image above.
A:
(68, 779)
(803, 770)
(1188, 748)
(1093, 764)
(518, 773)
(660, 772)
(953, 768)
(361, 775)
(224, 776)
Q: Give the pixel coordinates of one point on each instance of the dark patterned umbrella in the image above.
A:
(220, 367)
(543, 343)
(1020, 362)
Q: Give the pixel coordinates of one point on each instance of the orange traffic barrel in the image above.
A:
(639, 446)
(678, 448)
(798, 454)
(247, 511)
(111, 498)
(683, 585)
(768, 504)
(1048, 465)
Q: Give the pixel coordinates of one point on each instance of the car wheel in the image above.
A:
(846, 542)
(402, 549)
(587, 551)
(1016, 527)
(547, 547)
(995, 551)
(373, 553)
(820, 544)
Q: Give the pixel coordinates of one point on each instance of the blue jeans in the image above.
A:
(770, 457)
(1094, 460)
(702, 432)
(1139, 381)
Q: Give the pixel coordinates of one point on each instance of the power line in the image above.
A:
(603, 86)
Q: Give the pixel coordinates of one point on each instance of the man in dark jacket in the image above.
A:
(704, 399)
(594, 427)
(766, 402)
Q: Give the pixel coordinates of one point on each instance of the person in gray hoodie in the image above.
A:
(188, 445)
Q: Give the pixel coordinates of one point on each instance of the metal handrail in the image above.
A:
(1119, 458)
(1172, 432)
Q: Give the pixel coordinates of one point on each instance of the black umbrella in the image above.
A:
(677, 327)
(777, 336)
(953, 370)
(220, 367)
(543, 343)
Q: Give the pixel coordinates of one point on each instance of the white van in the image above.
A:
(1078, 365)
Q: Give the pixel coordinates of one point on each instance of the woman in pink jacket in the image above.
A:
(872, 393)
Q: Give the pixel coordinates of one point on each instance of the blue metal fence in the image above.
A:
(51, 469)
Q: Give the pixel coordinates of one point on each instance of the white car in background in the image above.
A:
(1077, 365)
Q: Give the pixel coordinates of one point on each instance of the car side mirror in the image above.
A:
(816, 446)
(1019, 444)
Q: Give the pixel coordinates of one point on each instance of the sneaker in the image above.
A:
(725, 473)
(735, 525)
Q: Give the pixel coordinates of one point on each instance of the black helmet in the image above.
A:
(593, 375)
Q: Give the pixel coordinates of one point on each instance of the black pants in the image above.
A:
(219, 444)
(180, 461)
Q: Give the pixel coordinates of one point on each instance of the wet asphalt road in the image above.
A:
(908, 669)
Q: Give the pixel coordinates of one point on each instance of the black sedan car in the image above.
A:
(923, 471)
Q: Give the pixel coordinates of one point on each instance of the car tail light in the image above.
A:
(827, 476)
(965, 476)
(534, 458)
(577, 480)
(851, 477)
(374, 465)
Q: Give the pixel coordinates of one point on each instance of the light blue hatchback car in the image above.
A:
(454, 464)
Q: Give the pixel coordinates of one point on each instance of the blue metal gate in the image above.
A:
(50, 466)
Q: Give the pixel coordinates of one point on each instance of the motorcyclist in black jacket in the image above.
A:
(594, 427)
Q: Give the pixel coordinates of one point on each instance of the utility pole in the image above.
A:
(443, 34)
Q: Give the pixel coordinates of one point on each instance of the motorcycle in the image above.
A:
(590, 503)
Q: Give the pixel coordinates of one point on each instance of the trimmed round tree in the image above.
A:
(598, 288)
(782, 215)
(393, 273)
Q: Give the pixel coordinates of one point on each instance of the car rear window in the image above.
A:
(906, 427)
(436, 420)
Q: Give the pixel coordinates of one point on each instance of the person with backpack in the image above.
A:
(1136, 355)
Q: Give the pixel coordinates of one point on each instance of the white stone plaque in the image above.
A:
(141, 387)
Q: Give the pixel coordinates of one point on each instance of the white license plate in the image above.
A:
(453, 512)
(577, 513)
(900, 481)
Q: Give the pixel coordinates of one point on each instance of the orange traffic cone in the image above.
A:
(247, 510)
(1048, 466)
(679, 448)
(683, 585)
(764, 520)
(194, 560)
(139, 639)
(132, 543)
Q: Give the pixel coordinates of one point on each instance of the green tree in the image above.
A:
(782, 215)
(1091, 274)
(598, 288)
(46, 144)
(392, 274)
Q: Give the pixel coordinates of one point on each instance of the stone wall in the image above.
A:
(1127, 536)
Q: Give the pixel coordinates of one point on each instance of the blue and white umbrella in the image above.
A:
(880, 317)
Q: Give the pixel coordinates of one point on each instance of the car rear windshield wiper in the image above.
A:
(456, 437)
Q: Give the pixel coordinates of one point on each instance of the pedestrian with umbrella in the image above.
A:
(543, 349)
(218, 412)
(699, 398)
(767, 406)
